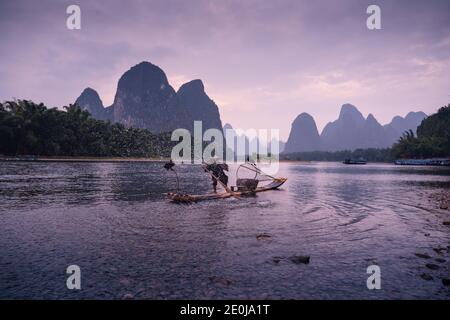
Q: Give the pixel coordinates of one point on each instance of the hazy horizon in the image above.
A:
(262, 63)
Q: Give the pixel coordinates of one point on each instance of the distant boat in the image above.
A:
(423, 162)
(354, 161)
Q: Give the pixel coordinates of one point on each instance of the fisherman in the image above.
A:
(218, 173)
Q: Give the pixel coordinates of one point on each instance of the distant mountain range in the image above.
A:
(145, 99)
(350, 131)
(252, 144)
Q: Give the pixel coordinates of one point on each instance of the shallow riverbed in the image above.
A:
(113, 221)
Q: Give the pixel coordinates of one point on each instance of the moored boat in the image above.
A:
(423, 162)
(354, 161)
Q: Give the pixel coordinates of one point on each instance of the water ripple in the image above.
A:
(112, 219)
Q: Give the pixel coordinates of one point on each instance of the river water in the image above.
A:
(113, 221)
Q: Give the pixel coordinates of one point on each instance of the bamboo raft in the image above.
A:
(189, 198)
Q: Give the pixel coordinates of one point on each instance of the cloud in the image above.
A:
(263, 62)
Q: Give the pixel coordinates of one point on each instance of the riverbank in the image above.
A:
(120, 159)
(440, 199)
(152, 159)
(82, 159)
(126, 159)
(104, 159)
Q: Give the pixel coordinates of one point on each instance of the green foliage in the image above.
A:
(371, 155)
(433, 138)
(27, 128)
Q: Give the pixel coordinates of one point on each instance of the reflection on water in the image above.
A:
(113, 221)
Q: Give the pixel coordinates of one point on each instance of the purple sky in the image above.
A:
(263, 62)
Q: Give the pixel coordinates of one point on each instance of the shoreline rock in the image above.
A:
(293, 259)
(442, 199)
(432, 266)
(422, 255)
(300, 259)
(426, 276)
(263, 236)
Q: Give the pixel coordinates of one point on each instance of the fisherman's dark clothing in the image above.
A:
(217, 169)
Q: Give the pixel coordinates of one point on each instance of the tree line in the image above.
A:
(27, 128)
(371, 154)
(432, 139)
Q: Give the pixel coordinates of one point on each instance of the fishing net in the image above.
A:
(248, 177)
